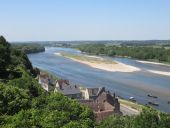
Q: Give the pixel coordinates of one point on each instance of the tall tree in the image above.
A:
(4, 53)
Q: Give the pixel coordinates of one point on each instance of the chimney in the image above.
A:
(60, 86)
(114, 95)
(117, 105)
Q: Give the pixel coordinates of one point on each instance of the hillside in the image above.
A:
(23, 103)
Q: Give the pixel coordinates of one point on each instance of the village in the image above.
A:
(102, 102)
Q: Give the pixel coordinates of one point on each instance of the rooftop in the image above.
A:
(66, 88)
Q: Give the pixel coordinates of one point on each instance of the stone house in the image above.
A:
(90, 92)
(45, 81)
(102, 103)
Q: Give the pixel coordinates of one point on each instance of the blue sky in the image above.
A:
(40, 20)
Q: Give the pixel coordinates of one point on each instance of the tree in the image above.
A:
(149, 118)
(4, 53)
(13, 99)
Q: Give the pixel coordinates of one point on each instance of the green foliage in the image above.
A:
(11, 59)
(149, 118)
(4, 53)
(13, 99)
(69, 110)
(21, 59)
(53, 111)
(29, 47)
(138, 52)
(27, 82)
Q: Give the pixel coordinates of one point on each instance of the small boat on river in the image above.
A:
(153, 103)
(149, 95)
(132, 99)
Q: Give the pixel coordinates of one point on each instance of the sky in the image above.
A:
(56, 20)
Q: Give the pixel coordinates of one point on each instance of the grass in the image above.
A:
(88, 58)
(167, 47)
(131, 104)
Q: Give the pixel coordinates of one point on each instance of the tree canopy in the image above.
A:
(149, 118)
(138, 52)
(4, 53)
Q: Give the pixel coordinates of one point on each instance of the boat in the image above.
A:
(168, 102)
(132, 99)
(149, 95)
(153, 103)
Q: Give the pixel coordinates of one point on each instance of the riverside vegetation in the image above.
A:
(23, 103)
(159, 54)
(29, 47)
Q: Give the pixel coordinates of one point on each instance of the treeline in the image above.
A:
(145, 53)
(29, 47)
(24, 104)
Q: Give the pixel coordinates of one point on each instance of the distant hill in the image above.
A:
(107, 42)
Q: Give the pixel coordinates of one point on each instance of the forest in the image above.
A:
(28, 47)
(159, 54)
(24, 104)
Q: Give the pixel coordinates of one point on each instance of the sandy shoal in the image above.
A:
(118, 67)
(149, 62)
(160, 72)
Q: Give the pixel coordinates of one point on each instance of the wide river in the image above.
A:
(136, 84)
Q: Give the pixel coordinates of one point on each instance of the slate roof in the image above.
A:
(66, 88)
(94, 92)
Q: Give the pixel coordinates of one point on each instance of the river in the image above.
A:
(136, 84)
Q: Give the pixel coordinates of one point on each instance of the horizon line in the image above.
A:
(90, 40)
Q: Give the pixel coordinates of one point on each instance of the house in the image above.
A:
(65, 88)
(45, 81)
(90, 93)
(101, 102)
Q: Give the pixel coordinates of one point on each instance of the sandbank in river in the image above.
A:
(100, 63)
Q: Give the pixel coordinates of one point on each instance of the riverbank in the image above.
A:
(29, 48)
(108, 65)
(100, 63)
(130, 108)
(152, 62)
(126, 107)
(156, 71)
